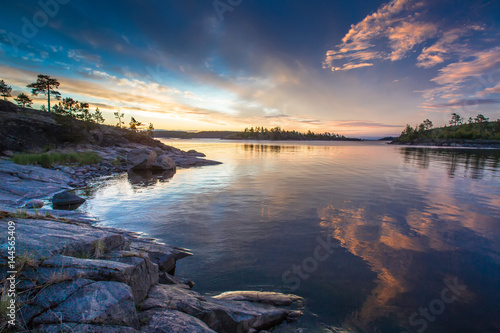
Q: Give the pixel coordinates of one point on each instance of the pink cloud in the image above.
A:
(408, 34)
(394, 23)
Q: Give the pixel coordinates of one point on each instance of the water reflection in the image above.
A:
(252, 218)
(473, 162)
(413, 254)
(147, 178)
(259, 148)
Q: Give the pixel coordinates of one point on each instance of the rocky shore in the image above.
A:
(69, 275)
(72, 276)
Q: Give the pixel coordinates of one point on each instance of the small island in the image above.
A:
(473, 132)
(255, 133)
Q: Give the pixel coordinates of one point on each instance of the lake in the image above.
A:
(375, 237)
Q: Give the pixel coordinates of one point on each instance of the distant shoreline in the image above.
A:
(451, 143)
(242, 136)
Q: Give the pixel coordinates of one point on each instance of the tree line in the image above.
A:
(67, 106)
(47, 86)
(478, 127)
(277, 133)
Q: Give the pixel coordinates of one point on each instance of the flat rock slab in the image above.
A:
(126, 267)
(99, 303)
(25, 182)
(171, 321)
(50, 297)
(44, 238)
(83, 328)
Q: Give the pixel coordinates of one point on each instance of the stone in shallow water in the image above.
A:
(35, 203)
(67, 200)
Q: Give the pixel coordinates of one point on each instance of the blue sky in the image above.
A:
(360, 68)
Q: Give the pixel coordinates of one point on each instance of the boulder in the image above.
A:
(172, 322)
(100, 303)
(141, 159)
(163, 162)
(34, 203)
(67, 200)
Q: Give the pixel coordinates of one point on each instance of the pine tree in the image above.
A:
(5, 90)
(23, 100)
(45, 85)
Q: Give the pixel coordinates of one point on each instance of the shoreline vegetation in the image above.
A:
(257, 133)
(473, 132)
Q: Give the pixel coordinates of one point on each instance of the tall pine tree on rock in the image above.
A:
(45, 85)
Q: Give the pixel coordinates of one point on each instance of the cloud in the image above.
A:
(81, 56)
(357, 123)
(396, 29)
(492, 90)
(473, 77)
(277, 116)
(458, 72)
(461, 103)
(441, 50)
(350, 66)
(394, 23)
(408, 34)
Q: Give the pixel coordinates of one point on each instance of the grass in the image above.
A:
(117, 161)
(47, 160)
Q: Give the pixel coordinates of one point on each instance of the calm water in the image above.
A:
(400, 222)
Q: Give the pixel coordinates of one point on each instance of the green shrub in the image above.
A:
(47, 160)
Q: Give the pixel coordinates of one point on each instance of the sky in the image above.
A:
(358, 68)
